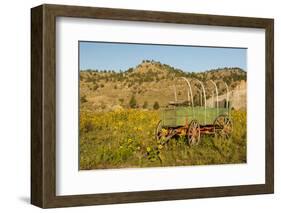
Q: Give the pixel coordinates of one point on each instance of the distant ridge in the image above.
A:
(149, 82)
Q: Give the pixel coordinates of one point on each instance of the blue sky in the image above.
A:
(121, 56)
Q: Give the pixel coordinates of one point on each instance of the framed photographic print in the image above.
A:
(136, 106)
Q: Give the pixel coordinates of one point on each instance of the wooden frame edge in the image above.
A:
(269, 105)
(43, 105)
(36, 106)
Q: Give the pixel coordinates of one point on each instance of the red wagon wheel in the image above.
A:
(223, 126)
(193, 133)
(163, 135)
(158, 131)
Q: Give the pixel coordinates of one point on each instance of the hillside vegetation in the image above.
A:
(149, 85)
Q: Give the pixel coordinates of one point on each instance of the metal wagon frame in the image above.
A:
(193, 121)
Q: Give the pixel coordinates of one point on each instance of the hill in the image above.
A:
(150, 82)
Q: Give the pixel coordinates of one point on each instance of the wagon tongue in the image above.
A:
(170, 136)
(178, 103)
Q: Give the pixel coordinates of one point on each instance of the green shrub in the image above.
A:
(133, 102)
(83, 99)
(145, 104)
(156, 105)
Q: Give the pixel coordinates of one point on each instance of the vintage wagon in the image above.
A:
(186, 119)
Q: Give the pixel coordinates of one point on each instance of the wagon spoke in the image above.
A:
(221, 122)
(223, 126)
(227, 121)
(193, 133)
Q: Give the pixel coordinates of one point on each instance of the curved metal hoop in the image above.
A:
(217, 94)
(189, 91)
(227, 93)
(204, 94)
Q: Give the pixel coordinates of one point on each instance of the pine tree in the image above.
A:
(133, 102)
(145, 104)
(156, 105)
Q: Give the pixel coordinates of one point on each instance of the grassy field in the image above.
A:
(125, 139)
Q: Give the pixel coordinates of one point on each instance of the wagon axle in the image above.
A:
(222, 127)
